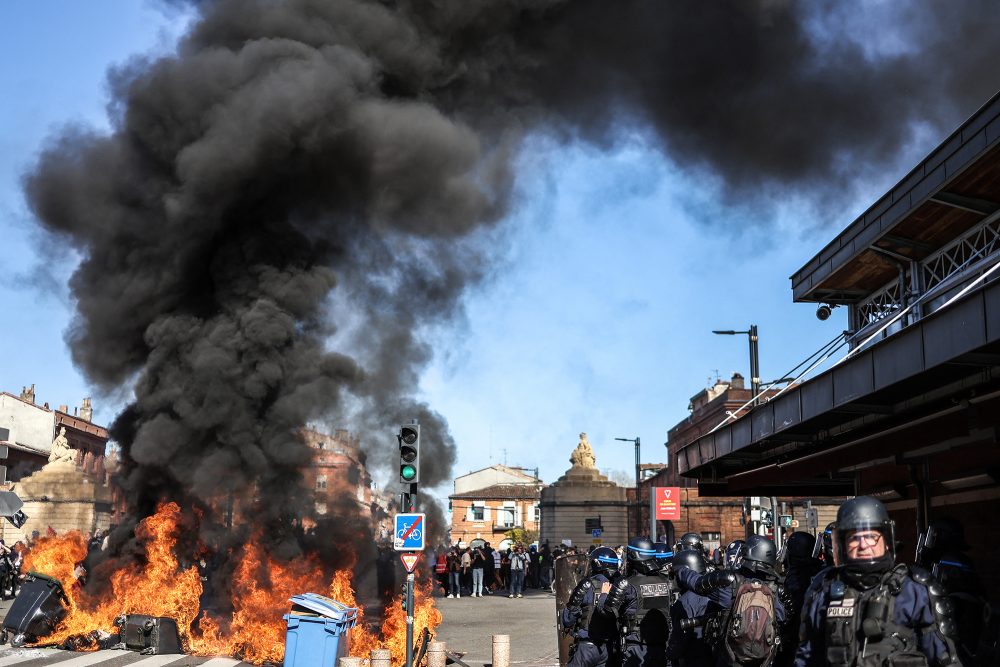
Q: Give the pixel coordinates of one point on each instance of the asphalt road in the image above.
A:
(469, 625)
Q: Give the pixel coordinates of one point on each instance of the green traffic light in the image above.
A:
(407, 472)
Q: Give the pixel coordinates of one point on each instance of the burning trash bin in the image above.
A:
(37, 610)
(315, 626)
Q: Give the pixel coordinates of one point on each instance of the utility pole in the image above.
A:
(754, 340)
(638, 489)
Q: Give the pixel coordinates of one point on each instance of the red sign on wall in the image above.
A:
(668, 503)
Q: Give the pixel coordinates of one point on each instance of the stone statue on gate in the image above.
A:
(61, 453)
(583, 455)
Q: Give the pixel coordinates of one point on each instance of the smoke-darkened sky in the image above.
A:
(517, 218)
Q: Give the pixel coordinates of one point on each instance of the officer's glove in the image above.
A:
(616, 596)
(714, 581)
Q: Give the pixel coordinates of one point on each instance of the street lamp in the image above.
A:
(754, 357)
(638, 500)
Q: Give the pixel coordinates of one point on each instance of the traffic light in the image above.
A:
(409, 454)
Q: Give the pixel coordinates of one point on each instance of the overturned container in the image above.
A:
(316, 625)
(39, 606)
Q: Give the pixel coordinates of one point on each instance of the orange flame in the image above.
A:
(260, 588)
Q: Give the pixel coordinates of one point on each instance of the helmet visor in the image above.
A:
(864, 541)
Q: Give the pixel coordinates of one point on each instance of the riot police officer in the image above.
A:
(664, 556)
(732, 554)
(823, 550)
(595, 632)
(796, 559)
(868, 609)
(755, 583)
(941, 549)
(642, 604)
(687, 646)
(690, 541)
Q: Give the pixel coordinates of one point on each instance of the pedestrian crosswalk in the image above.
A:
(46, 657)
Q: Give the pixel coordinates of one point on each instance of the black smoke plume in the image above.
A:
(284, 204)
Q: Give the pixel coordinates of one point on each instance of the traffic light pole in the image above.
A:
(409, 619)
(408, 500)
(409, 475)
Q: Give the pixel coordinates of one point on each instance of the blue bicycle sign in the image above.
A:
(409, 532)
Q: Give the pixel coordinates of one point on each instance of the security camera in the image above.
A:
(823, 312)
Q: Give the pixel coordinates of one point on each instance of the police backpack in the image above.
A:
(750, 629)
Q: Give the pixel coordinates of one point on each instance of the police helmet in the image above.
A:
(732, 554)
(603, 560)
(663, 551)
(758, 555)
(863, 525)
(641, 555)
(692, 559)
(689, 541)
(824, 545)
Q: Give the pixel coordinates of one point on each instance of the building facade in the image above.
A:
(720, 519)
(27, 429)
(507, 499)
(338, 475)
(74, 492)
(910, 411)
(584, 508)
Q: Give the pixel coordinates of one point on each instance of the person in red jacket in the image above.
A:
(441, 571)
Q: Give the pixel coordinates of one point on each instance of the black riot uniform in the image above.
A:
(800, 568)
(642, 604)
(594, 630)
(687, 646)
(755, 565)
(940, 549)
(869, 610)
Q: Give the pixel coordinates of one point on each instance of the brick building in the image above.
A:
(489, 502)
(28, 429)
(719, 519)
(71, 495)
(338, 475)
(910, 411)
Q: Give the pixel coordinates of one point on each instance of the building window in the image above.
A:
(507, 517)
(538, 514)
(712, 541)
(478, 513)
(321, 483)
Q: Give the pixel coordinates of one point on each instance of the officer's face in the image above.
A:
(865, 545)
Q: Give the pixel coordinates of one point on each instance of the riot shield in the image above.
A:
(570, 569)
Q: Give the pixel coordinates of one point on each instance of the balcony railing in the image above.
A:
(501, 527)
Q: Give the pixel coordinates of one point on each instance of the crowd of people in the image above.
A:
(843, 600)
(475, 571)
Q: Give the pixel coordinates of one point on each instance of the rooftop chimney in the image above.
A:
(737, 382)
(87, 411)
(28, 394)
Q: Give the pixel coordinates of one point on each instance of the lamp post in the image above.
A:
(638, 499)
(754, 357)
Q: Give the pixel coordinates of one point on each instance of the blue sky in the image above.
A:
(615, 265)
